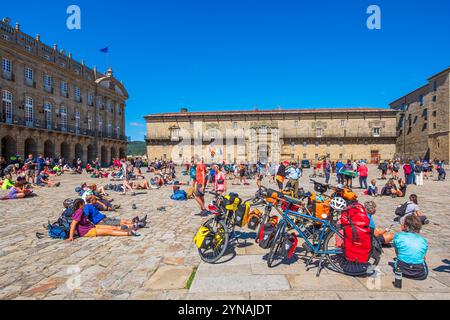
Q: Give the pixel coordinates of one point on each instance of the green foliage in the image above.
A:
(137, 148)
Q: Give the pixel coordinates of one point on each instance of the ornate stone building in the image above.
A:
(273, 135)
(56, 106)
(423, 122)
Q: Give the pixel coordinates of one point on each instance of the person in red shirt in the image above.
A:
(200, 185)
(363, 172)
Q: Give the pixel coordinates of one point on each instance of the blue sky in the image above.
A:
(242, 54)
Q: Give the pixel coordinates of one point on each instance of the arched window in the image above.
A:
(29, 111)
(7, 100)
(48, 115)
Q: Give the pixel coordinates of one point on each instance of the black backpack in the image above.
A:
(401, 210)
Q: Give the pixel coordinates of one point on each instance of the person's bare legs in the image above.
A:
(201, 202)
(102, 232)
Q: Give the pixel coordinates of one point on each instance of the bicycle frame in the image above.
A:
(326, 226)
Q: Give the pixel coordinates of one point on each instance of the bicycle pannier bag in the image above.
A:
(289, 245)
(254, 219)
(266, 235)
(241, 216)
(203, 238)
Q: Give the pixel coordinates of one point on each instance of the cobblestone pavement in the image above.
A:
(158, 264)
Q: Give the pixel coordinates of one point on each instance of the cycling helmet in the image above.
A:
(338, 204)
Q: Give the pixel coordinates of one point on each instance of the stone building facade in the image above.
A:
(423, 121)
(56, 106)
(273, 135)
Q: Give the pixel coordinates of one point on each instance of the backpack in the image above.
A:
(357, 234)
(401, 209)
(179, 195)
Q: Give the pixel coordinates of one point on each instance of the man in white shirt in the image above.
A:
(294, 175)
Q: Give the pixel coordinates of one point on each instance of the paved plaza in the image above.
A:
(164, 264)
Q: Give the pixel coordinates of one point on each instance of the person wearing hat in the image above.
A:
(281, 175)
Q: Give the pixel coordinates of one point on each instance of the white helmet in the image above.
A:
(338, 204)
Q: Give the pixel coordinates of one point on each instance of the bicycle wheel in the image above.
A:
(275, 248)
(219, 238)
(332, 245)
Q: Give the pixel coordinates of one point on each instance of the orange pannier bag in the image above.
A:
(349, 195)
(320, 206)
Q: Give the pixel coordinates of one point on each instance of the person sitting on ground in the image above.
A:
(141, 185)
(382, 235)
(98, 218)
(390, 189)
(82, 227)
(373, 189)
(7, 182)
(411, 249)
(42, 180)
(413, 208)
(18, 191)
(402, 187)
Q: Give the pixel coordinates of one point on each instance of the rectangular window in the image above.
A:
(6, 65)
(434, 98)
(376, 132)
(317, 156)
(425, 114)
(235, 125)
(341, 156)
(434, 113)
(90, 99)
(29, 74)
(435, 86)
(425, 126)
(434, 126)
(343, 123)
(296, 124)
(319, 132)
(77, 94)
(47, 83)
(64, 89)
(421, 100)
(304, 156)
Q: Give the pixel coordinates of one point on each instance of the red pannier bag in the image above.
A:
(292, 207)
(357, 234)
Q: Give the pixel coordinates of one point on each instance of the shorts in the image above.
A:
(242, 173)
(197, 192)
(91, 234)
(12, 194)
(110, 222)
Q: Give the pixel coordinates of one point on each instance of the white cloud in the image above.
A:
(137, 124)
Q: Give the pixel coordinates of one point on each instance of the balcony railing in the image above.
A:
(37, 124)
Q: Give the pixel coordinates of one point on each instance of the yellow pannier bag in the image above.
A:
(200, 238)
(232, 202)
(242, 214)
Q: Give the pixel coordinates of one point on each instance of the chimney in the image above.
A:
(184, 110)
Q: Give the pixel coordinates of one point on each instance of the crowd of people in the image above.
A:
(20, 178)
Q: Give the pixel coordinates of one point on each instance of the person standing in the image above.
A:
(281, 175)
(407, 170)
(126, 165)
(199, 194)
(363, 172)
(339, 168)
(31, 169)
(418, 172)
(294, 175)
(220, 186)
(327, 171)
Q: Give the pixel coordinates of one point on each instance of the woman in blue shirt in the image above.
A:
(411, 249)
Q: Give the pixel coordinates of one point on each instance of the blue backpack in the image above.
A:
(61, 228)
(179, 195)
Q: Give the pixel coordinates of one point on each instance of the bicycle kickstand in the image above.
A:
(308, 263)
(320, 267)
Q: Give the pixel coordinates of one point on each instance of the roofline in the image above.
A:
(430, 78)
(266, 112)
(439, 73)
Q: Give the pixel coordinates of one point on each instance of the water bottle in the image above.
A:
(398, 278)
